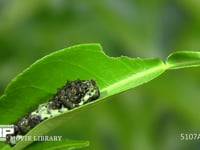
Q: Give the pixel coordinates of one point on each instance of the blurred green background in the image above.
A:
(149, 117)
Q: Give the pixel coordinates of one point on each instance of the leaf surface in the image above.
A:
(39, 82)
(183, 59)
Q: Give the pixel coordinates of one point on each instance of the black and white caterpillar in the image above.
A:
(73, 94)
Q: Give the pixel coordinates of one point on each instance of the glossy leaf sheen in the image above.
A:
(183, 59)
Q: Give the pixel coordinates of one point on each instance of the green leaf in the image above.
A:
(64, 144)
(183, 59)
(55, 145)
(40, 81)
(87, 61)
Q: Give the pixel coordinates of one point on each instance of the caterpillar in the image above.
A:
(71, 95)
